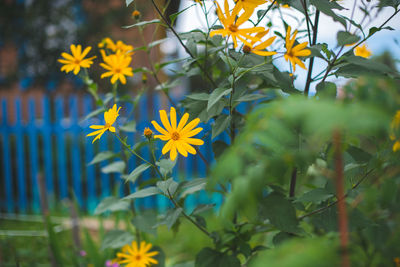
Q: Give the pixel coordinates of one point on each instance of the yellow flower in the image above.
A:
(394, 126)
(258, 49)
(76, 60)
(134, 256)
(231, 25)
(119, 46)
(178, 137)
(276, 3)
(397, 261)
(109, 117)
(250, 5)
(362, 51)
(292, 53)
(117, 66)
(147, 132)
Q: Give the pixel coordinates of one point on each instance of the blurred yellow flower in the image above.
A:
(231, 24)
(250, 5)
(76, 60)
(134, 256)
(283, 5)
(117, 66)
(292, 53)
(362, 51)
(119, 46)
(260, 48)
(109, 117)
(394, 127)
(179, 137)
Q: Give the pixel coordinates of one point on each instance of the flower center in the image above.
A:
(107, 125)
(233, 28)
(175, 136)
(117, 70)
(77, 61)
(138, 257)
(246, 49)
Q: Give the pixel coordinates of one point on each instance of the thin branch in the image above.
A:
(310, 66)
(332, 63)
(293, 183)
(335, 202)
(183, 45)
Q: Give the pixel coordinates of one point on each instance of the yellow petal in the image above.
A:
(164, 121)
(173, 153)
(181, 149)
(183, 121)
(188, 148)
(192, 133)
(172, 116)
(193, 141)
(190, 126)
(167, 146)
(159, 128)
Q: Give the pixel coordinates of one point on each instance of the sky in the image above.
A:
(193, 18)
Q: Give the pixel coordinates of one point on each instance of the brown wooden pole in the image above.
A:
(340, 195)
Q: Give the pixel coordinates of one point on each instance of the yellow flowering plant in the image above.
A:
(287, 168)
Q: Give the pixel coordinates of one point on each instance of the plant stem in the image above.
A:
(341, 207)
(293, 183)
(338, 200)
(332, 63)
(183, 45)
(310, 66)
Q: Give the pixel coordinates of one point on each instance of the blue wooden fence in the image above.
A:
(55, 145)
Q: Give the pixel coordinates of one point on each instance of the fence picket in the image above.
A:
(75, 153)
(90, 169)
(7, 159)
(33, 154)
(19, 143)
(61, 152)
(48, 159)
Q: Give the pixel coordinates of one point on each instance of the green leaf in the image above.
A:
(146, 192)
(280, 212)
(202, 208)
(326, 6)
(137, 172)
(208, 257)
(373, 30)
(216, 95)
(284, 82)
(102, 156)
(116, 239)
(168, 187)
(250, 97)
(193, 186)
(199, 96)
(315, 196)
(219, 147)
(146, 222)
(172, 217)
(93, 114)
(326, 90)
(157, 42)
(220, 125)
(166, 166)
(111, 204)
(129, 127)
(346, 38)
(115, 167)
(142, 23)
(175, 15)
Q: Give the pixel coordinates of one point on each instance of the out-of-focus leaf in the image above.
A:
(111, 204)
